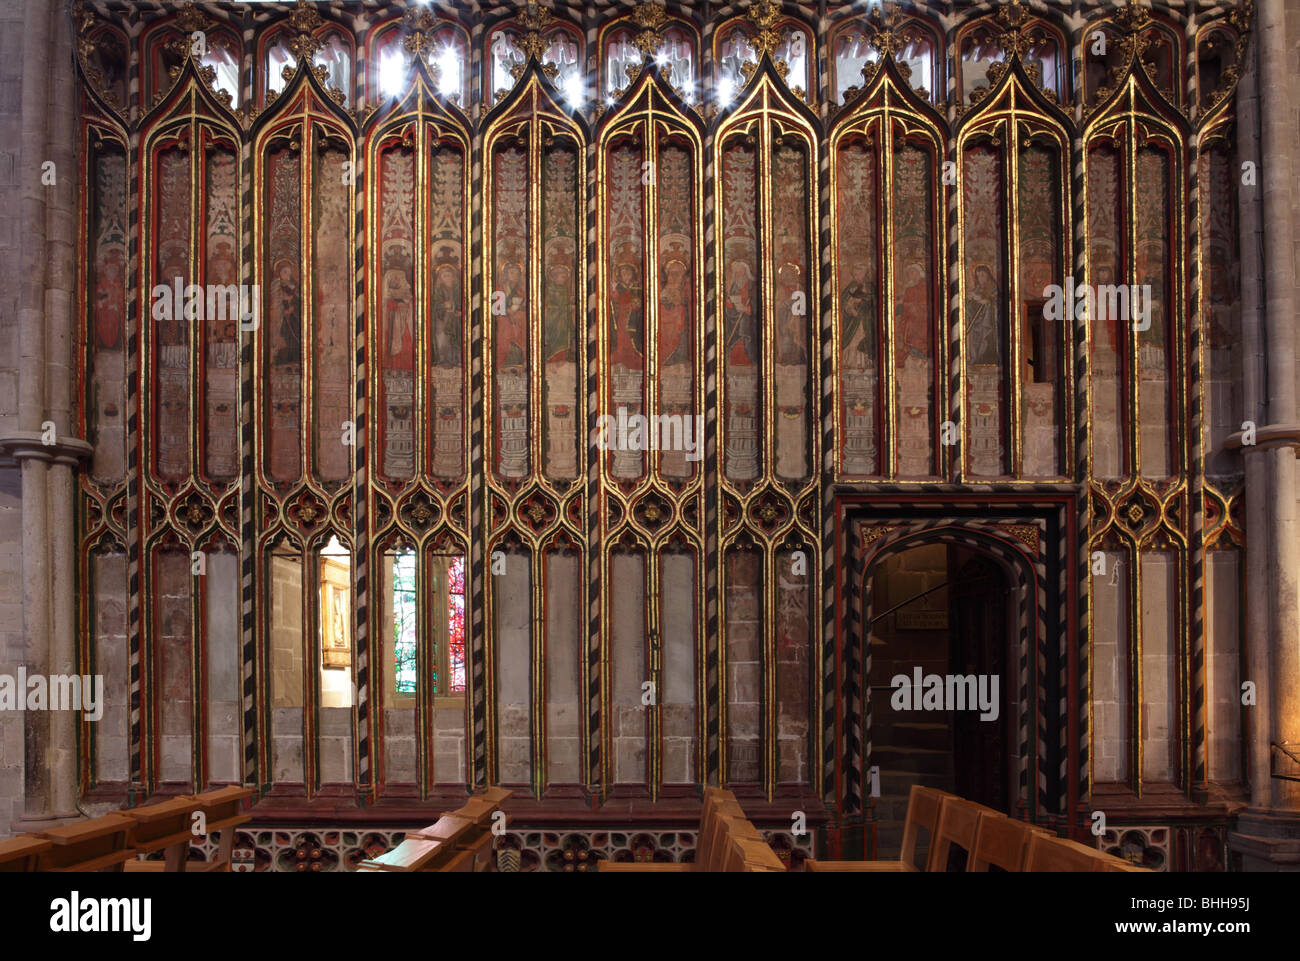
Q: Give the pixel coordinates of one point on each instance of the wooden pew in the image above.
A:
(922, 812)
(744, 854)
(223, 810)
(959, 822)
(459, 840)
(22, 853)
(100, 844)
(413, 854)
(1050, 853)
(1002, 843)
(165, 826)
(1113, 863)
(710, 844)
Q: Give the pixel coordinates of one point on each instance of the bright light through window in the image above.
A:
(392, 73)
(726, 91)
(573, 90)
(449, 72)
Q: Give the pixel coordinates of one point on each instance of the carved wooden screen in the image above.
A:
(765, 155)
(651, 434)
(1133, 204)
(419, 350)
(303, 158)
(459, 281)
(533, 174)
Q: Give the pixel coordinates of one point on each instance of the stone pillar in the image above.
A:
(43, 444)
(1254, 408)
(1268, 834)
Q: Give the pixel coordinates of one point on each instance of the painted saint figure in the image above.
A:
(512, 326)
(674, 314)
(448, 316)
(738, 312)
(984, 317)
(557, 315)
(858, 316)
(628, 318)
(397, 314)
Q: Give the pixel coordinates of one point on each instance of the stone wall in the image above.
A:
(11, 230)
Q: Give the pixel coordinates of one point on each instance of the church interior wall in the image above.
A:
(300, 661)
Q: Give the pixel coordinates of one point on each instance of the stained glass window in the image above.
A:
(456, 625)
(404, 621)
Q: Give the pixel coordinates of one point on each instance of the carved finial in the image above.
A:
(650, 17)
(1015, 40)
(1133, 17)
(763, 15)
(882, 35)
(191, 19)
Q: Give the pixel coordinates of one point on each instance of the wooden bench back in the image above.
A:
(22, 853)
(746, 854)
(102, 842)
(1002, 843)
(1050, 853)
(922, 812)
(958, 824)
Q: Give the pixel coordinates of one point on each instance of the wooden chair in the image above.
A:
(1050, 853)
(1002, 843)
(100, 844)
(222, 810)
(922, 812)
(959, 822)
(165, 826)
(22, 853)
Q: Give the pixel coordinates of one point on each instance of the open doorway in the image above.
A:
(943, 681)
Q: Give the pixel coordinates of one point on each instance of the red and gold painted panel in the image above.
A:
(885, 211)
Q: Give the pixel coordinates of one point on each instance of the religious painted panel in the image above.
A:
(1043, 341)
(106, 401)
(447, 317)
(738, 336)
(625, 260)
(1108, 342)
(170, 324)
(559, 307)
(396, 348)
(857, 305)
(1151, 312)
(791, 325)
(914, 297)
(221, 326)
(675, 318)
(282, 323)
(331, 315)
(984, 310)
(509, 302)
